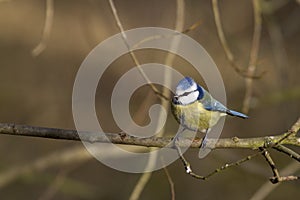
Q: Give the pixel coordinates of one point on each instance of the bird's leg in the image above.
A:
(176, 138)
(205, 146)
(204, 140)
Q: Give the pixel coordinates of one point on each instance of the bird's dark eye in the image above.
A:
(175, 99)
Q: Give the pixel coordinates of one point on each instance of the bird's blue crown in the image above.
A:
(185, 84)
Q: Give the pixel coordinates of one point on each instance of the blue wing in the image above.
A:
(214, 105)
(237, 114)
(209, 103)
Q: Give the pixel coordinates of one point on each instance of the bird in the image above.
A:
(195, 109)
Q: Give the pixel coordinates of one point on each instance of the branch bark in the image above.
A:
(122, 138)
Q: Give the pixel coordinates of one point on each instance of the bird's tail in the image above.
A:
(237, 114)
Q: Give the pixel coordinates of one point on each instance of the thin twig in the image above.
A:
(143, 180)
(295, 128)
(271, 163)
(192, 27)
(157, 37)
(186, 164)
(267, 144)
(253, 55)
(268, 187)
(189, 170)
(225, 46)
(279, 147)
(47, 29)
(287, 151)
(139, 187)
(276, 177)
(171, 183)
(286, 135)
(237, 163)
(132, 54)
(221, 34)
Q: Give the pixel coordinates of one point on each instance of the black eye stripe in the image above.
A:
(186, 93)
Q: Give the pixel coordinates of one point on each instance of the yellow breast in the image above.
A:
(193, 116)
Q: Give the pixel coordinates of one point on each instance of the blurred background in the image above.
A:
(36, 89)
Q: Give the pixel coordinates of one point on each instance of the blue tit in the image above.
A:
(195, 109)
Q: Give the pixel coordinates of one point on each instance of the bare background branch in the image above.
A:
(253, 55)
(46, 30)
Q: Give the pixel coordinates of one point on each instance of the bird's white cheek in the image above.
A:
(190, 98)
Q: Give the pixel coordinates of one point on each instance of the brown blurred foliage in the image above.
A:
(37, 90)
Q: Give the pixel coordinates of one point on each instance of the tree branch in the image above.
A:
(46, 30)
(269, 143)
(122, 138)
